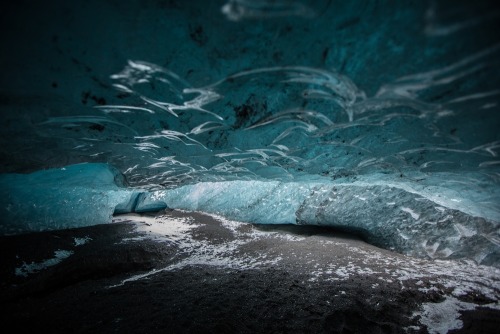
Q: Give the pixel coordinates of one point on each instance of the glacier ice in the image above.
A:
(379, 121)
(72, 196)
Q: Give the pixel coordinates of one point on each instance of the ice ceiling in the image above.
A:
(370, 116)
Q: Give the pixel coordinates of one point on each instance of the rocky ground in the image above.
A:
(190, 272)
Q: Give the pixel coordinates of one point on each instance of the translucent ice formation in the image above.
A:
(73, 196)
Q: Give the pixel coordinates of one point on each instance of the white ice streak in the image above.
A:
(412, 213)
(173, 135)
(237, 10)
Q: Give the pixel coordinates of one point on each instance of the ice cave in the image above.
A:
(372, 120)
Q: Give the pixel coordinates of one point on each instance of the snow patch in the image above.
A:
(31, 268)
(196, 251)
(440, 318)
(81, 241)
(162, 228)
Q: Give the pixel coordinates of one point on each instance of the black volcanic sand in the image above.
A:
(223, 277)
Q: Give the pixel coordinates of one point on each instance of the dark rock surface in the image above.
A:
(201, 274)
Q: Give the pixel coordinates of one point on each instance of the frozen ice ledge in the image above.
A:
(392, 216)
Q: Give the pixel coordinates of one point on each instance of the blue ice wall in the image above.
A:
(72, 196)
(375, 96)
